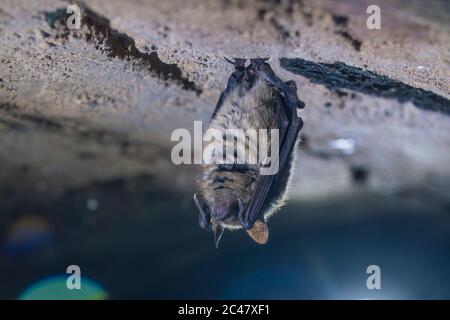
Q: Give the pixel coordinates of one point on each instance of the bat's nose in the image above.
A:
(224, 208)
(221, 214)
(221, 211)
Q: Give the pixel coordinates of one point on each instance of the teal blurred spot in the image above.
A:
(54, 288)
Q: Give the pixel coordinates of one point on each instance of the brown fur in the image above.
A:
(255, 110)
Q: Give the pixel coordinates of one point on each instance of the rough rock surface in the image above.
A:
(88, 107)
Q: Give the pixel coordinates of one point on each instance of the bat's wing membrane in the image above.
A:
(233, 82)
(289, 125)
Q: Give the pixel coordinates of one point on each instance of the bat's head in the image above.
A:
(225, 212)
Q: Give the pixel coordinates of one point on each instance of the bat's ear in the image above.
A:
(259, 233)
(204, 217)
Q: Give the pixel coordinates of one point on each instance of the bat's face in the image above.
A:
(222, 210)
(225, 212)
(226, 209)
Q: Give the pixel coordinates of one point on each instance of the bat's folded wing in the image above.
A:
(290, 125)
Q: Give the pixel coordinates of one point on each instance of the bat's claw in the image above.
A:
(245, 223)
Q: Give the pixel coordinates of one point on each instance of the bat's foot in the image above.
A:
(257, 62)
(239, 63)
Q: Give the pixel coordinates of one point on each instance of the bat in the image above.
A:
(237, 196)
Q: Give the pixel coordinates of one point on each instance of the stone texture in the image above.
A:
(88, 107)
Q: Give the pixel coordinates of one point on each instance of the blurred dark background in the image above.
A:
(147, 246)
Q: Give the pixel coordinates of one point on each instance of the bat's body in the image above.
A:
(235, 196)
(255, 110)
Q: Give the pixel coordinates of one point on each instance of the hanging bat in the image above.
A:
(237, 196)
